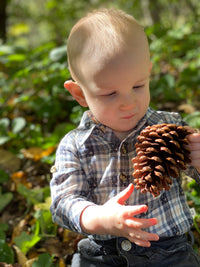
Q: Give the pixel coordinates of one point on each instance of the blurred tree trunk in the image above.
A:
(151, 11)
(3, 20)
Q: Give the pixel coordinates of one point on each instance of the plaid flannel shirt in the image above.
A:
(92, 165)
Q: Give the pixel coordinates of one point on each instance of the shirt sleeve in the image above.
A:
(193, 173)
(69, 187)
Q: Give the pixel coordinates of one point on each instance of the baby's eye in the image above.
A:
(110, 94)
(138, 86)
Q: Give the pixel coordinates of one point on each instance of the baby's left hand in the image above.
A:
(194, 146)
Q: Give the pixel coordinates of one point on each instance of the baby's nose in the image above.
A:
(127, 103)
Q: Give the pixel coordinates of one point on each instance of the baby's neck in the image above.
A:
(122, 135)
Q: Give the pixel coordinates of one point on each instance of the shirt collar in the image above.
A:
(88, 124)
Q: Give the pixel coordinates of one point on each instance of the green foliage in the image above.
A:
(4, 176)
(26, 241)
(193, 194)
(5, 199)
(43, 227)
(176, 64)
(193, 119)
(6, 253)
(33, 101)
(44, 260)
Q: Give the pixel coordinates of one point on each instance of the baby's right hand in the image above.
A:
(117, 219)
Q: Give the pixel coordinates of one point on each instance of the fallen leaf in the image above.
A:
(29, 263)
(61, 263)
(21, 258)
(20, 177)
(44, 206)
(8, 161)
(36, 153)
(19, 228)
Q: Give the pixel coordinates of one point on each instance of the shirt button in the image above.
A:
(123, 177)
(87, 125)
(103, 128)
(123, 150)
(126, 245)
(53, 169)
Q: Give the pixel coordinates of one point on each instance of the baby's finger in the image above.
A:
(140, 223)
(142, 235)
(134, 210)
(142, 238)
(124, 195)
(194, 138)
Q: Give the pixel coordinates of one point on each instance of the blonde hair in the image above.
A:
(101, 33)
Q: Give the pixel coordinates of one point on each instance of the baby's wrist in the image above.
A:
(91, 220)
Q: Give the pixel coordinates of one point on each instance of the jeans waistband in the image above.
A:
(164, 242)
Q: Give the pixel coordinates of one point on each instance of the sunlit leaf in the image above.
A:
(58, 53)
(26, 241)
(16, 58)
(48, 228)
(44, 206)
(4, 139)
(22, 259)
(18, 29)
(36, 153)
(6, 49)
(18, 124)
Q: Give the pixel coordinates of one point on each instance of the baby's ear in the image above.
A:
(76, 91)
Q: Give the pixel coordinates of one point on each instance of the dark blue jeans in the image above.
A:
(167, 252)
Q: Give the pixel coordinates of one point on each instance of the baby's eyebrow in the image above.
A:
(143, 79)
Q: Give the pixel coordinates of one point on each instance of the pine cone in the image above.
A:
(160, 155)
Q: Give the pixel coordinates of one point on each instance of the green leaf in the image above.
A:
(25, 241)
(18, 124)
(6, 49)
(4, 176)
(46, 224)
(33, 195)
(4, 124)
(17, 57)
(44, 260)
(6, 253)
(5, 199)
(193, 119)
(58, 53)
(3, 227)
(4, 139)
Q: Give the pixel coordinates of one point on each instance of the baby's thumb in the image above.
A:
(125, 194)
